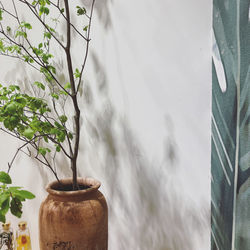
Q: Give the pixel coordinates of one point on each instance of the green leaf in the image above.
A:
(1, 14)
(21, 100)
(43, 10)
(54, 96)
(50, 28)
(61, 136)
(28, 133)
(54, 131)
(26, 58)
(81, 10)
(14, 87)
(3, 197)
(46, 11)
(14, 120)
(24, 194)
(61, 92)
(21, 33)
(230, 170)
(63, 118)
(52, 69)
(11, 189)
(5, 178)
(43, 151)
(45, 58)
(77, 73)
(57, 124)
(2, 217)
(5, 206)
(39, 85)
(47, 34)
(67, 85)
(6, 123)
(11, 108)
(70, 136)
(26, 25)
(58, 148)
(16, 207)
(85, 28)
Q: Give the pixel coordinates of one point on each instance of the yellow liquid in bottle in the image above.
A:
(23, 242)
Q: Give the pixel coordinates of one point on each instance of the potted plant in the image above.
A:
(74, 215)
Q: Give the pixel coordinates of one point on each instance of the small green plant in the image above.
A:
(11, 197)
(35, 119)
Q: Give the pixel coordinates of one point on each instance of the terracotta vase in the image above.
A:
(74, 219)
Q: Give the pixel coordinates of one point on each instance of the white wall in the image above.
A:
(148, 126)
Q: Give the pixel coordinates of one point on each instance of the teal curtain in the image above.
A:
(230, 171)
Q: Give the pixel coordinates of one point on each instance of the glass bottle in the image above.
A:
(23, 237)
(6, 237)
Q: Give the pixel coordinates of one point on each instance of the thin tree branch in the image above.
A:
(41, 64)
(74, 98)
(46, 163)
(13, 135)
(7, 11)
(69, 142)
(71, 24)
(87, 46)
(27, 40)
(15, 155)
(59, 144)
(31, 7)
(22, 46)
(28, 154)
(19, 58)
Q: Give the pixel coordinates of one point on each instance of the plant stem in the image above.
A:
(73, 97)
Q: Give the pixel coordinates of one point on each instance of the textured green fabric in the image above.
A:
(230, 185)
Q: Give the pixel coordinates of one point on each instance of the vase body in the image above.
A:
(74, 219)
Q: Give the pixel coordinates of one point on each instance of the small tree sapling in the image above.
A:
(35, 119)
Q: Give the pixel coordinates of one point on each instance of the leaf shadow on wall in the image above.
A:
(147, 209)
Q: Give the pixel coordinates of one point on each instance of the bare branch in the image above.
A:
(87, 46)
(13, 135)
(72, 25)
(20, 58)
(28, 154)
(15, 155)
(45, 162)
(8, 12)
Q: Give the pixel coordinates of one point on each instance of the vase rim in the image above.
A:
(88, 181)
